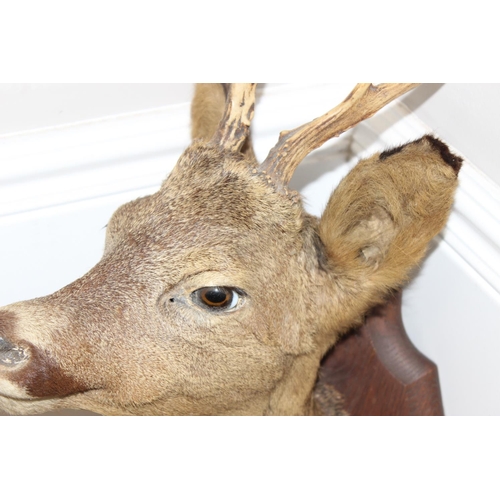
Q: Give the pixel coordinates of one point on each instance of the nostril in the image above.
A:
(10, 354)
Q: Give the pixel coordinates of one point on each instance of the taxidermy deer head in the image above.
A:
(218, 294)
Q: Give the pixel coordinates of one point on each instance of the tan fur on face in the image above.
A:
(129, 338)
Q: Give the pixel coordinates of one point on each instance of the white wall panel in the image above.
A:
(27, 106)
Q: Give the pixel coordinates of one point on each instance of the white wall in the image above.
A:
(59, 186)
(27, 106)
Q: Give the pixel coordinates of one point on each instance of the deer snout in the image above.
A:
(30, 370)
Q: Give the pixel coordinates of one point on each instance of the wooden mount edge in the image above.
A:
(378, 371)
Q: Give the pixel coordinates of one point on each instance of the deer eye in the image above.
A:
(217, 298)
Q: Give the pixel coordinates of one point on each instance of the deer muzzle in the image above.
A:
(29, 370)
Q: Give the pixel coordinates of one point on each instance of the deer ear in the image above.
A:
(379, 220)
(207, 109)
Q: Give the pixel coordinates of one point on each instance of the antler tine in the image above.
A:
(293, 146)
(235, 124)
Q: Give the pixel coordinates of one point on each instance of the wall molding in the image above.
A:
(67, 164)
(56, 167)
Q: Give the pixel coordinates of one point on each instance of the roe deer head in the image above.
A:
(219, 294)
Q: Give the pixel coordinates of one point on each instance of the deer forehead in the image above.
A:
(209, 214)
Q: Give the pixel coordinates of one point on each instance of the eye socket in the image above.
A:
(217, 298)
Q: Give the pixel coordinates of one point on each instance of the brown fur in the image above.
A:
(128, 337)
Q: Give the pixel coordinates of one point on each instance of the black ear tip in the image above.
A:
(454, 161)
(389, 152)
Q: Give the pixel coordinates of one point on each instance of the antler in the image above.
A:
(293, 146)
(235, 124)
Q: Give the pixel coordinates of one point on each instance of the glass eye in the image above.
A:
(217, 298)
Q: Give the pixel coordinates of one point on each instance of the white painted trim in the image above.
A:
(49, 168)
(67, 164)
